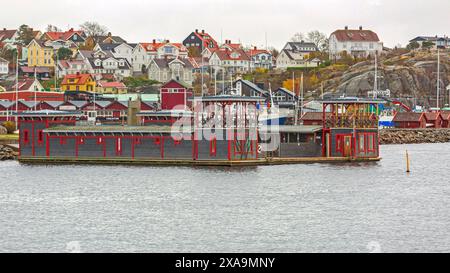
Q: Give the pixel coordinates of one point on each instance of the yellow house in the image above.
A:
(111, 87)
(78, 82)
(39, 54)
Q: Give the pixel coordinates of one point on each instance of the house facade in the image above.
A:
(200, 41)
(359, 43)
(40, 54)
(122, 50)
(78, 82)
(144, 53)
(233, 61)
(260, 58)
(438, 42)
(163, 70)
(105, 87)
(103, 39)
(4, 67)
(66, 67)
(296, 55)
(77, 37)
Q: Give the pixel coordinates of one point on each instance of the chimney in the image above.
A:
(154, 41)
(4, 29)
(346, 27)
(255, 48)
(109, 34)
(71, 30)
(360, 28)
(196, 31)
(203, 31)
(167, 41)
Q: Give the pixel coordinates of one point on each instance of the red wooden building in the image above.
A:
(175, 94)
(434, 120)
(409, 120)
(314, 118)
(445, 119)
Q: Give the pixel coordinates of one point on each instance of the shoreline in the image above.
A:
(414, 136)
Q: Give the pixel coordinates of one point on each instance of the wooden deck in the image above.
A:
(223, 163)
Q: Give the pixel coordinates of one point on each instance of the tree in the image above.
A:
(413, 45)
(94, 29)
(319, 39)
(64, 53)
(427, 44)
(274, 52)
(25, 35)
(194, 52)
(298, 37)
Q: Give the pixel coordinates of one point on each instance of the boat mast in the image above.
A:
(375, 82)
(438, 79)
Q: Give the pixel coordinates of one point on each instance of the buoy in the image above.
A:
(408, 170)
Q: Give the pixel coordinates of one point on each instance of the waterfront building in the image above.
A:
(358, 43)
(433, 119)
(409, 120)
(175, 94)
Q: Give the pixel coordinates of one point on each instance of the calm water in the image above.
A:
(297, 208)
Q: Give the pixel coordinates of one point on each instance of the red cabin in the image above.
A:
(445, 119)
(434, 120)
(173, 94)
(409, 120)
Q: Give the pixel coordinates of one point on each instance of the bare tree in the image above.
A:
(94, 29)
(319, 39)
(52, 28)
(298, 37)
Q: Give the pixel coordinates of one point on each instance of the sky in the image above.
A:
(251, 22)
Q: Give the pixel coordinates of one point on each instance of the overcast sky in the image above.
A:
(248, 21)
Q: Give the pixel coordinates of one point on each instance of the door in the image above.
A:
(347, 146)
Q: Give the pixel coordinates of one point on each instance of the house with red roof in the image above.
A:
(260, 58)
(76, 36)
(144, 53)
(106, 87)
(233, 61)
(445, 119)
(359, 43)
(434, 119)
(78, 82)
(8, 36)
(200, 40)
(409, 120)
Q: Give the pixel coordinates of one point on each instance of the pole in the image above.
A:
(438, 79)
(17, 86)
(215, 83)
(202, 64)
(35, 91)
(301, 97)
(375, 82)
(408, 170)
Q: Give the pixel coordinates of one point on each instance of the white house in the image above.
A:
(4, 67)
(260, 58)
(105, 63)
(121, 50)
(166, 69)
(233, 61)
(441, 42)
(66, 67)
(144, 53)
(358, 43)
(297, 54)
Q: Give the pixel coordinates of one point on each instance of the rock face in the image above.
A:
(411, 75)
(7, 153)
(414, 136)
(3, 130)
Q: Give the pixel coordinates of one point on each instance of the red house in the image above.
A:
(409, 120)
(434, 120)
(445, 119)
(117, 109)
(175, 94)
(314, 118)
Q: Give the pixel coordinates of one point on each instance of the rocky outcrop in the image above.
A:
(7, 153)
(412, 75)
(414, 136)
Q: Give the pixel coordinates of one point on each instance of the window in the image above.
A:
(40, 137)
(361, 147)
(26, 137)
(213, 147)
(371, 143)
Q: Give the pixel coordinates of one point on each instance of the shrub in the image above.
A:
(10, 126)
